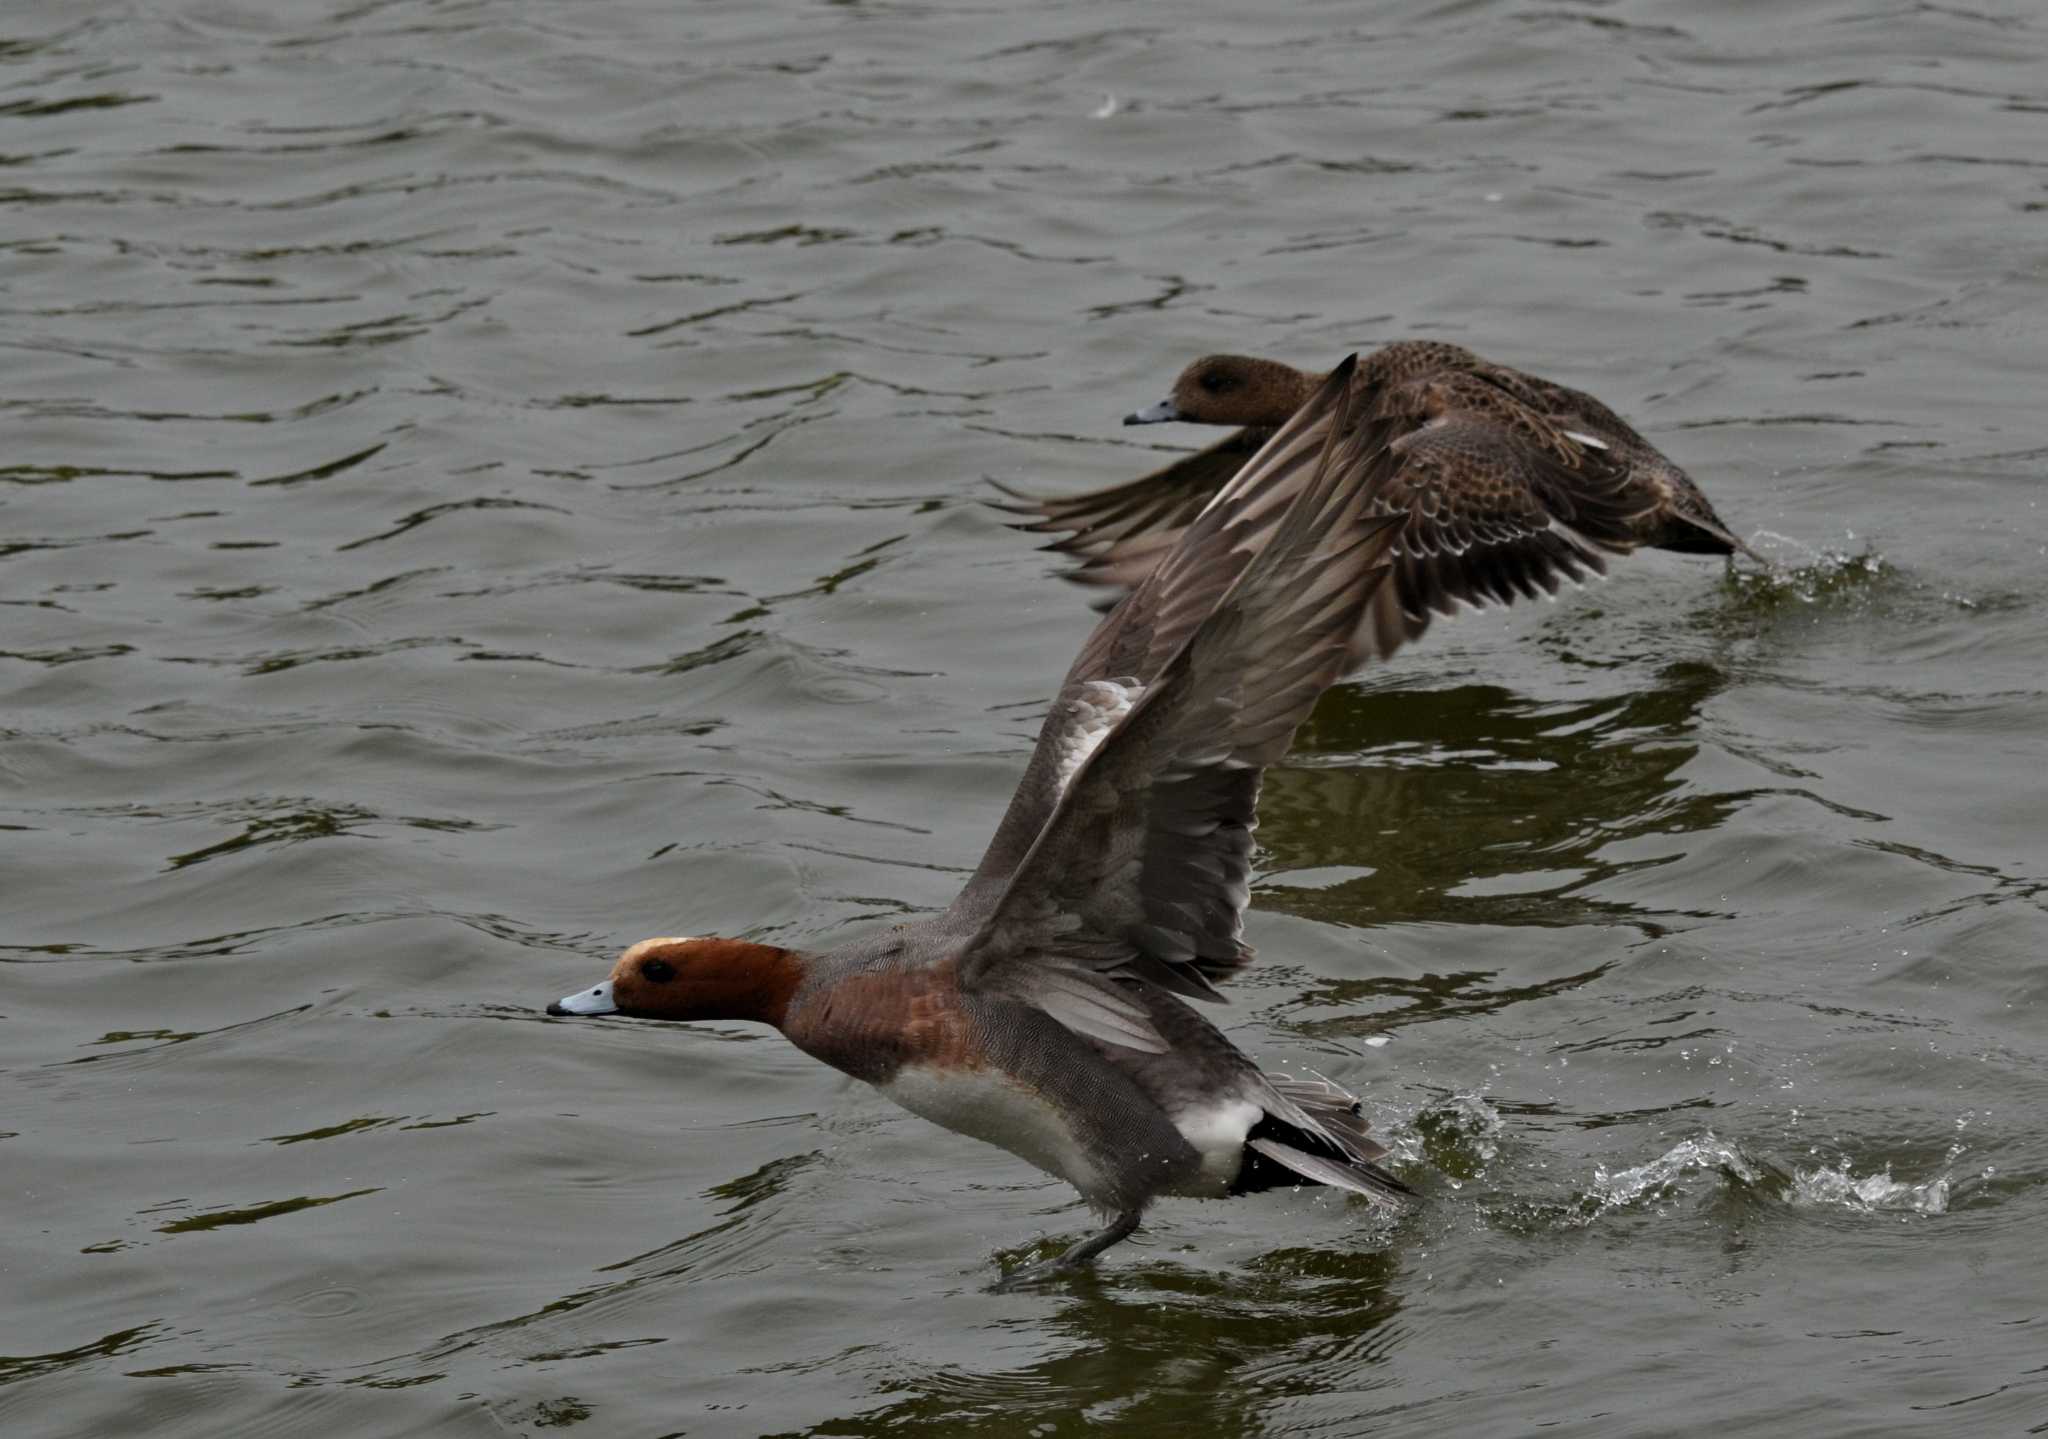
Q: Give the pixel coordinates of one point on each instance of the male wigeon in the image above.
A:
(1511, 483)
(1045, 1011)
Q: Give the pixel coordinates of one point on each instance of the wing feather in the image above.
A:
(1514, 486)
(1141, 871)
(1203, 559)
(1165, 501)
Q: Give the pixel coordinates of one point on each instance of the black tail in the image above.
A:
(1280, 1155)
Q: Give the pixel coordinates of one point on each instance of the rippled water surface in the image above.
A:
(485, 482)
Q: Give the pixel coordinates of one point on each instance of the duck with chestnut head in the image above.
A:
(1047, 1010)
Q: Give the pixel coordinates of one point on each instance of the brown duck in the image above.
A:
(1511, 484)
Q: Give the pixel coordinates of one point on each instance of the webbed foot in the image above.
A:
(1075, 1259)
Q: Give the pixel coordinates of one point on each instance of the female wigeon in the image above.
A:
(1511, 483)
(1044, 1011)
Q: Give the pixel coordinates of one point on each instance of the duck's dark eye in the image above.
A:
(657, 971)
(1218, 383)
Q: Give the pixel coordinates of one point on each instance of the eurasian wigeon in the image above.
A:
(1512, 484)
(1045, 1011)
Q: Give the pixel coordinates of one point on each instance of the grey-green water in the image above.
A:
(487, 482)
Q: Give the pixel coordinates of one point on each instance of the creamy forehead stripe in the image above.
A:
(1092, 714)
(646, 944)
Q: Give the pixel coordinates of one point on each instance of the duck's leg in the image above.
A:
(1120, 1229)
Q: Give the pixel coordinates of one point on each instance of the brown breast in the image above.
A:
(871, 1023)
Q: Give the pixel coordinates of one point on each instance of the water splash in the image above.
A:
(1459, 1135)
(1805, 574)
(1657, 1179)
(1871, 1193)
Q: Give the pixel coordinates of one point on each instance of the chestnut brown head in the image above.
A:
(1232, 390)
(685, 978)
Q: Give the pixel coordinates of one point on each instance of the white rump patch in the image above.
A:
(1092, 714)
(1217, 1132)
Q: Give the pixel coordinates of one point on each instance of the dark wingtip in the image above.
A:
(1335, 390)
(1015, 502)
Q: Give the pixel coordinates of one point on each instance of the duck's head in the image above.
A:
(1232, 390)
(680, 978)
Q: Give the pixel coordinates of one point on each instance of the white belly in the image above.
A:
(986, 1106)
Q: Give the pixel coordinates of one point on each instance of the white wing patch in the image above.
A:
(1591, 442)
(1093, 714)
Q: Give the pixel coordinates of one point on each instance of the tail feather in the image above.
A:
(1337, 1151)
(1357, 1176)
(1715, 539)
(1335, 1109)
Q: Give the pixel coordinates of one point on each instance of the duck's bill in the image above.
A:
(586, 1001)
(1157, 414)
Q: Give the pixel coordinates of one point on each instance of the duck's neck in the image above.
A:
(1277, 390)
(1305, 386)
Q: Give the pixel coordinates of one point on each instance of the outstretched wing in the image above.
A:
(1134, 641)
(1502, 503)
(1142, 870)
(1120, 532)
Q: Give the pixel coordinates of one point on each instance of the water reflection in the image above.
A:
(1477, 805)
(1362, 1004)
(745, 1220)
(1139, 1340)
(1160, 1338)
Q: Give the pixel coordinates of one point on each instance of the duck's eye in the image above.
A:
(1218, 384)
(657, 971)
